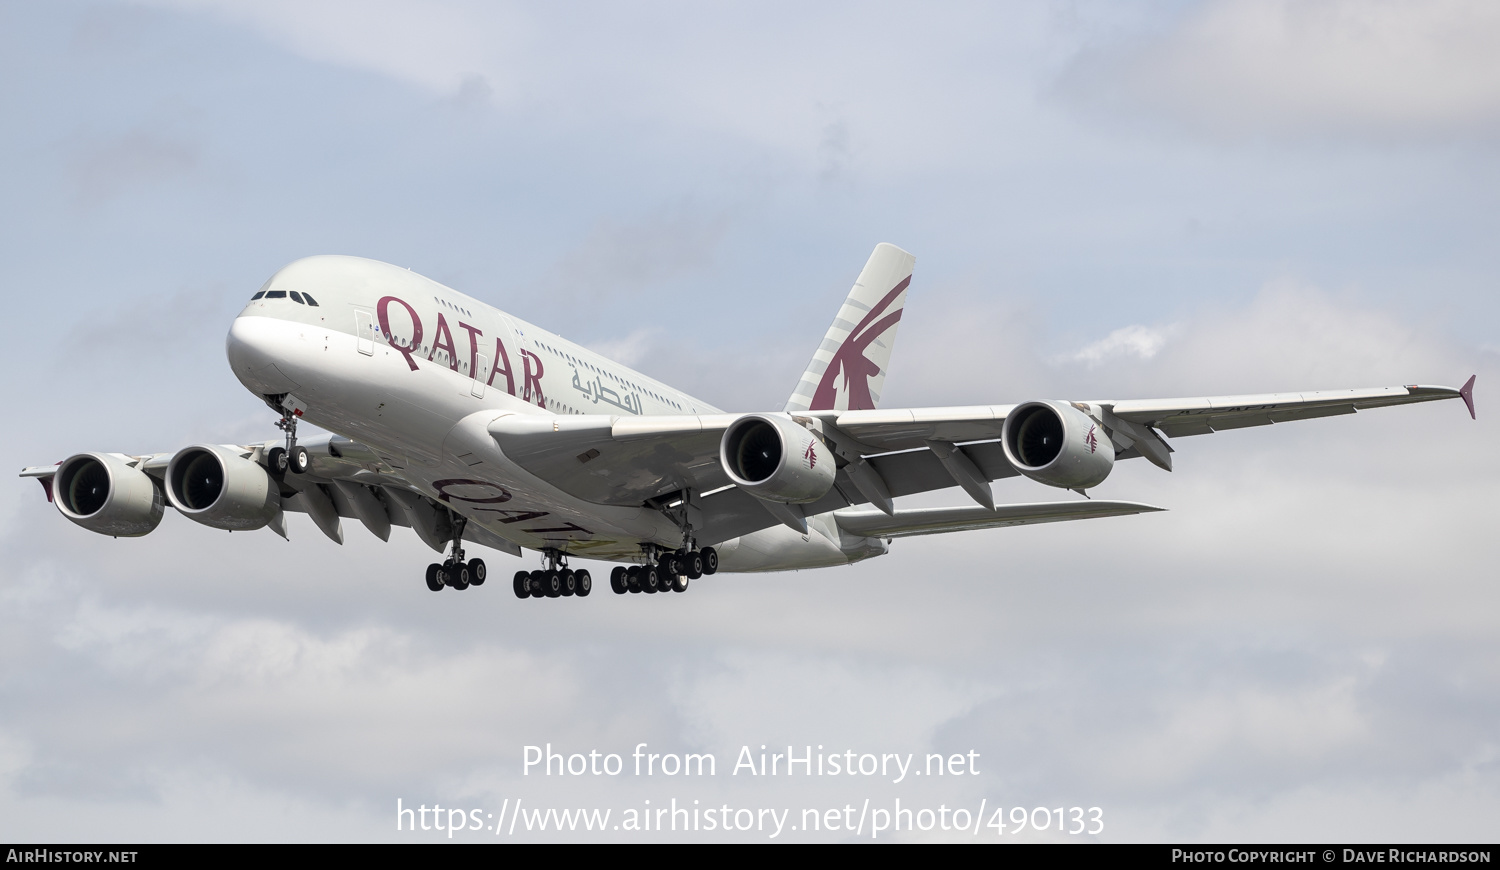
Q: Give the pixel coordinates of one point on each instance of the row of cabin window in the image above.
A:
(282, 294)
(619, 380)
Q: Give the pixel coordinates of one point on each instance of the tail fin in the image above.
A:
(848, 369)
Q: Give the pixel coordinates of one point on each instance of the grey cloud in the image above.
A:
(111, 167)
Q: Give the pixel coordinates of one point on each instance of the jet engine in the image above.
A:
(104, 494)
(219, 488)
(771, 457)
(1057, 444)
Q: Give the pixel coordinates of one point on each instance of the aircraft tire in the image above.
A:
(459, 573)
(710, 560)
(585, 583)
(552, 584)
(434, 578)
(538, 588)
(650, 580)
(692, 565)
(522, 584)
(299, 460)
(569, 582)
(477, 572)
(633, 578)
(680, 582)
(617, 580)
(276, 461)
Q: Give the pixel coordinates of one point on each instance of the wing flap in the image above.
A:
(932, 521)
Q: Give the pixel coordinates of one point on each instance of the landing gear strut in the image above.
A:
(454, 571)
(673, 570)
(554, 580)
(292, 457)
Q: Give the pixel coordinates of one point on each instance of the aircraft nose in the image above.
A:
(252, 350)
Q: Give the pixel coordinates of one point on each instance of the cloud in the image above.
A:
(1391, 68)
(1141, 342)
(626, 257)
(451, 48)
(105, 169)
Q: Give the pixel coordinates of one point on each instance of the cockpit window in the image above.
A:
(297, 298)
(310, 301)
(257, 295)
(275, 294)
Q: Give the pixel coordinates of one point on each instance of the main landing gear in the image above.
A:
(671, 573)
(556, 580)
(454, 571)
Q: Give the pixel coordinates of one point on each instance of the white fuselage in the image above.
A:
(417, 371)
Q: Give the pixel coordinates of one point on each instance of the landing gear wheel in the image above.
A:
(670, 563)
(710, 560)
(276, 461)
(585, 583)
(617, 580)
(650, 580)
(522, 583)
(299, 460)
(633, 578)
(552, 584)
(477, 572)
(435, 577)
(538, 584)
(680, 582)
(458, 575)
(569, 582)
(692, 565)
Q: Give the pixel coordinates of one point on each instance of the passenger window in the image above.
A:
(310, 301)
(297, 298)
(275, 294)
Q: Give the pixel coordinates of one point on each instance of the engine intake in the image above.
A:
(773, 458)
(105, 494)
(219, 488)
(1057, 444)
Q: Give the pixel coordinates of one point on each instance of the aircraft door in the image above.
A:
(481, 371)
(364, 332)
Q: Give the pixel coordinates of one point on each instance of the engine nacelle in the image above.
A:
(104, 494)
(771, 457)
(1057, 444)
(219, 488)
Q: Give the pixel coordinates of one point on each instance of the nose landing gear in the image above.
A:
(279, 460)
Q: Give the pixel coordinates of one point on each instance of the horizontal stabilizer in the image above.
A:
(931, 521)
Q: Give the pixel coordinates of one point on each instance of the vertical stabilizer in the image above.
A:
(847, 371)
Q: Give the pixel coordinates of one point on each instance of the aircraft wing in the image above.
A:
(346, 481)
(634, 460)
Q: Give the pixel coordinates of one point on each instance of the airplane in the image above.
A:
(470, 426)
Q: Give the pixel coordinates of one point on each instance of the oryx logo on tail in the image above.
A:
(848, 369)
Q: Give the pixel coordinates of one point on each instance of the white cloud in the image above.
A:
(1141, 342)
(1395, 67)
(453, 48)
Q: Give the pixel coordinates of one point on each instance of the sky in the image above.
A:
(1104, 200)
